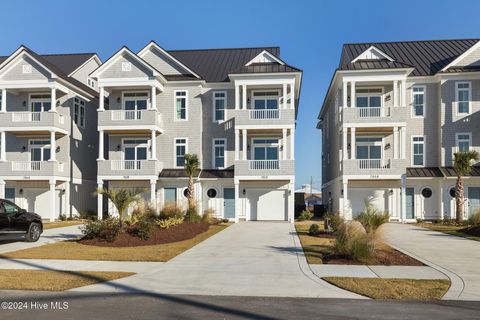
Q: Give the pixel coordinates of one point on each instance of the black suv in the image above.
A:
(13, 219)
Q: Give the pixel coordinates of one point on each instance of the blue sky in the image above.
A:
(310, 34)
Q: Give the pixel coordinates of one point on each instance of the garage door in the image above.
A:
(377, 197)
(267, 204)
(38, 201)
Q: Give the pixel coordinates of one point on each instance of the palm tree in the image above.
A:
(121, 198)
(462, 163)
(192, 165)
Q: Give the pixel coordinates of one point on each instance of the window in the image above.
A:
(126, 66)
(369, 97)
(212, 193)
(39, 151)
(134, 151)
(418, 151)
(134, 103)
(369, 147)
(180, 105)
(180, 151)
(265, 99)
(427, 192)
(265, 149)
(418, 103)
(219, 103)
(464, 141)
(186, 193)
(219, 153)
(10, 207)
(452, 192)
(463, 94)
(40, 102)
(79, 112)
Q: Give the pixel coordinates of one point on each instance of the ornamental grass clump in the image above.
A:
(371, 218)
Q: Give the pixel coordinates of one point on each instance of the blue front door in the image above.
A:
(410, 207)
(229, 203)
(473, 200)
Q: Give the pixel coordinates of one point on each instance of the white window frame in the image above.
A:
(224, 152)
(370, 94)
(44, 146)
(125, 99)
(457, 140)
(252, 149)
(412, 149)
(412, 110)
(457, 89)
(80, 107)
(175, 150)
(175, 105)
(252, 97)
(214, 100)
(42, 100)
(148, 145)
(370, 143)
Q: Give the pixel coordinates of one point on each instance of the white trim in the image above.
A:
(462, 56)
(268, 54)
(42, 100)
(148, 145)
(265, 137)
(469, 98)
(94, 56)
(424, 150)
(149, 99)
(175, 150)
(224, 153)
(370, 49)
(225, 99)
(412, 113)
(175, 105)
(252, 98)
(469, 134)
(19, 53)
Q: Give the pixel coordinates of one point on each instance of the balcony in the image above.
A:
(374, 114)
(264, 168)
(28, 169)
(125, 119)
(128, 168)
(262, 117)
(374, 167)
(31, 121)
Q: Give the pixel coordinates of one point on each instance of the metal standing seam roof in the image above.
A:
(438, 172)
(427, 57)
(204, 173)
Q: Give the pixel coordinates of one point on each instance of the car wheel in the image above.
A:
(33, 233)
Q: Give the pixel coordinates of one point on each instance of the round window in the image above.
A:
(186, 193)
(211, 193)
(427, 192)
(452, 192)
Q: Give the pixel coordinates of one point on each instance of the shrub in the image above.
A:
(142, 213)
(371, 218)
(170, 222)
(314, 230)
(191, 215)
(352, 240)
(419, 220)
(209, 216)
(107, 229)
(62, 217)
(474, 219)
(142, 229)
(170, 210)
(89, 215)
(305, 215)
(333, 221)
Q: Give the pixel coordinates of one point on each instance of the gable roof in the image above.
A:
(426, 57)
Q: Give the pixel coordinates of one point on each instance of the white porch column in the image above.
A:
(284, 96)
(53, 147)
(100, 201)
(395, 93)
(2, 189)
(403, 204)
(353, 149)
(403, 137)
(244, 97)
(237, 143)
(346, 215)
(154, 98)
(4, 100)
(440, 198)
(244, 144)
(153, 156)
(353, 100)
(100, 145)
(53, 99)
(344, 143)
(237, 97)
(291, 202)
(68, 207)
(292, 144)
(396, 144)
(101, 99)
(3, 146)
(237, 201)
(345, 94)
(153, 192)
(292, 95)
(284, 144)
(404, 93)
(53, 200)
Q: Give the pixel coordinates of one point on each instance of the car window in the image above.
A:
(2, 209)
(10, 208)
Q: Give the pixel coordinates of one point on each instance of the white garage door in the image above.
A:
(377, 197)
(38, 200)
(267, 204)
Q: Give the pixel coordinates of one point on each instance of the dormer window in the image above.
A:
(372, 53)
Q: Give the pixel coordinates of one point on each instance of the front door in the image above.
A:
(410, 207)
(229, 203)
(473, 200)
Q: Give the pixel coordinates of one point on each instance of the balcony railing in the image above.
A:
(32, 117)
(25, 166)
(373, 112)
(260, 114)
(264, 164)
(125, 115)
(373, 164)
(127, 164)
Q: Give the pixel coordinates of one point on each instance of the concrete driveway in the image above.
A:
(456, 257)
(246, 259)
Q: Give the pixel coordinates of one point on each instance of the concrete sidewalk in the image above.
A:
(385, 272)
(14, 242)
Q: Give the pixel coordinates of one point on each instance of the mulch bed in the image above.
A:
(471, 231)
(386, 257)
(184, 231)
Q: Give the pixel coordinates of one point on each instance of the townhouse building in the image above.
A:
(393, 116)
(48, 123)
(235, 108)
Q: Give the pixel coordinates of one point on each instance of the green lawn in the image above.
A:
(448, 229)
